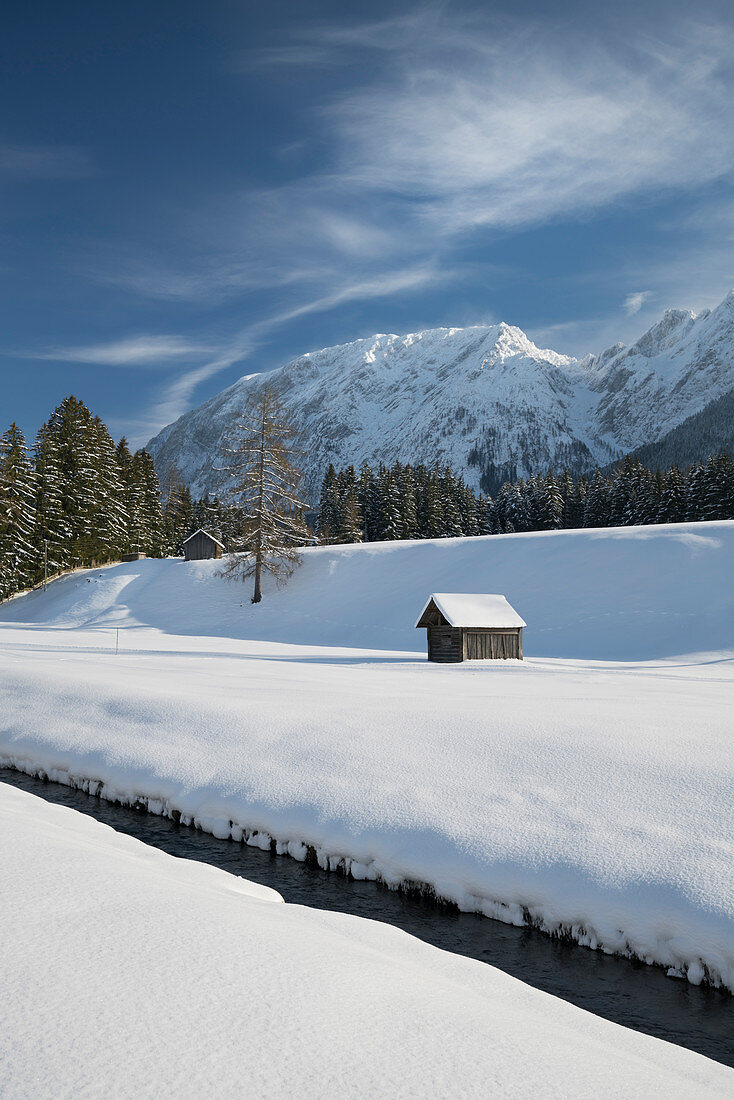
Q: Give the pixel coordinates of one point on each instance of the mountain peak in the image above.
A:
(670, 327)
(726, 306)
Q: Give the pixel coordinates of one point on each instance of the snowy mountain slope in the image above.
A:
(675, 370)
(485, 400)
(706, 432)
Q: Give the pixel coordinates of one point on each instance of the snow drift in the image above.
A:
(128, 972)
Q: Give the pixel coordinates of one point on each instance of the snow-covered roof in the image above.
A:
(208, 534)
(474, 609)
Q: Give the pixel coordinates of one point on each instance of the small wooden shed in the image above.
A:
(132, 557)
(202, 545)
(468, 626)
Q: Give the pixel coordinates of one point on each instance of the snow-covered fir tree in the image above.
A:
(366, 502)
(429, 505)
(84, 484)
(327, 524)
(53, 530)
(108, 537)
(716, 488)
(18, 553)
(153, 533)
(696, 492)
(514, 500)
(407, 494)
(390, 522)
(672, 504)
(486, 516)
(263, 481)
(552, 504)
(348, 520)
(598, 506)
(131, 498)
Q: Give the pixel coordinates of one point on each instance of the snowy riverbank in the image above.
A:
(590, 797)
(186, 979)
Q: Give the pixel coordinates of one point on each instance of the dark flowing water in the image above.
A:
(630, 993)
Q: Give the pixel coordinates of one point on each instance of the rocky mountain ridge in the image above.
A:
(484, 400)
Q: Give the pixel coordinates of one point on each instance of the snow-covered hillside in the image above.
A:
(587, 790)
(484, 400)
(129, 973)
(620, 593)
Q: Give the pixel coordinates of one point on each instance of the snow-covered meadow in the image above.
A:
(588, 789)
(130, 973)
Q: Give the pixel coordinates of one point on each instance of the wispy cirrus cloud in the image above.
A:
(378, 286)
(221, 273)
(339, 44)
(454, 126)
(304, 239)
(175, 398)
(475, 126)
(633, 303)
(28, 162)
(134, 351)
(515, 128)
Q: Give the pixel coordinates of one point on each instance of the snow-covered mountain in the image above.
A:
(674, 370)
(484, 400)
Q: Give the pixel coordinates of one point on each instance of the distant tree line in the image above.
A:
(76, 499)
(409, 502)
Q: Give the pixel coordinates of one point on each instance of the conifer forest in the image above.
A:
(408, 502)
(74, 499)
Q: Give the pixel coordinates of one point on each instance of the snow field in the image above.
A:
(590, 797)
(128, 972)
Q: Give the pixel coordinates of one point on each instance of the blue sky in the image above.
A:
(190, 192)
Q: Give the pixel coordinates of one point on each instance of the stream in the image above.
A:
(625, 991)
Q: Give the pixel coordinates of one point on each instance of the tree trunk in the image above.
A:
(257, 594)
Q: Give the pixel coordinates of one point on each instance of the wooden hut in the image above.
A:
(463, 626)
(132, 557)
(202, 545)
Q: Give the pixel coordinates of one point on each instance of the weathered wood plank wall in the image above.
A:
(200, 546)
(444, 644)
(483, 645)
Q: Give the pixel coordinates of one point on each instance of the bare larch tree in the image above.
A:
(263, 482)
